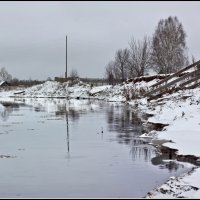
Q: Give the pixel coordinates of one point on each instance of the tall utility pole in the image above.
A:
(66, 59)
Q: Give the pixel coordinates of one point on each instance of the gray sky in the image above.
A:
(32, 34)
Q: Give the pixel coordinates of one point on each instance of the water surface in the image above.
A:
(76, 149)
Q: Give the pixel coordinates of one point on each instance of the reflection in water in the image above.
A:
(166, 159)
(124, 121)
(73, 109)
(65, 157)
(67, 120)
(63, 111)
(5, 112)
(6, 108)
(120, 119)
(139, 150)
(164, 163)
(128, 125)
(171, 165)
(74, 115)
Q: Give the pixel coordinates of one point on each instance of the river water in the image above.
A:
(57, 148)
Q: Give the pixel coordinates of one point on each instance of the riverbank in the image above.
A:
(179, 112)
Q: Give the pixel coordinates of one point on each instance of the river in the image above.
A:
(57, 148)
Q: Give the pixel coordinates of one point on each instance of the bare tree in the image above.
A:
(121, 62)
(74, 74)
(4, 75)
(139, 56)
(169, 46)
(49, 79)
(73, 77)
(193, 59)
(110, 67)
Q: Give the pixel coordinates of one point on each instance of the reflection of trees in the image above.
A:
(171, 166)
(5, 113)
(128, 126)
(8, 108)
(72, 113)
(75, 112)
(139, 149)
(161, 161)
(39, 109)
(123, 120)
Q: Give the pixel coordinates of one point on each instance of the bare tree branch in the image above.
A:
(4, 75)
(139, 56)
(122, 61)
(169, 46)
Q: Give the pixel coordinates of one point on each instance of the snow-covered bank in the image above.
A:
(53, 89)
(180, 111)
(185, 186)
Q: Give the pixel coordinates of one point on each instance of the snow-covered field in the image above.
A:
(180, 110)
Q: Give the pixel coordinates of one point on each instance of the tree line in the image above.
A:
(165, 52)
(5, 76)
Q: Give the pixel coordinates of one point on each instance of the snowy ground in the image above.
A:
(185, 186)
(180, 111)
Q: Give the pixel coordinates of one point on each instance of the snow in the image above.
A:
(99, 89)
(184, 123)
(179, 111)
(2, 82)
(53, 89)
(179, 187)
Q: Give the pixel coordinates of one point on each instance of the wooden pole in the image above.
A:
(66, 59)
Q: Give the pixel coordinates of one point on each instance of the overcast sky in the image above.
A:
(33, 34)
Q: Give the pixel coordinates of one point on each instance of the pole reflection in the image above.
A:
(122, 120)
(68, 139)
